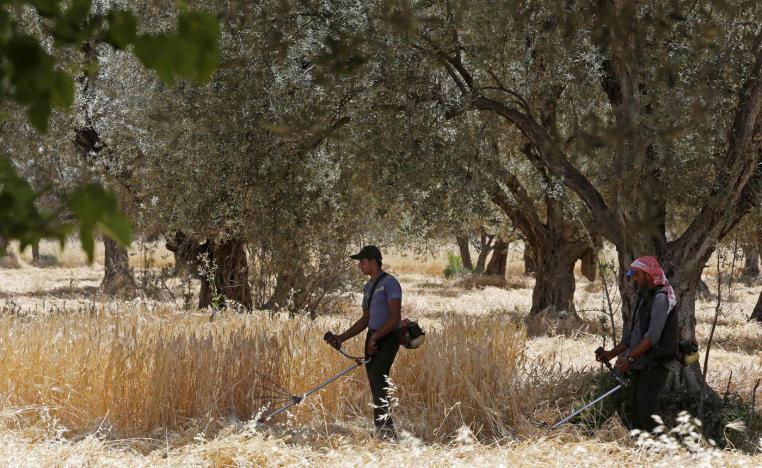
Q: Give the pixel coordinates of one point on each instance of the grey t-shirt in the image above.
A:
(659, 312)
(387, 290)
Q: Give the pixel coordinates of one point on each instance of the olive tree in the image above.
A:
(248, 170)
(634, 106)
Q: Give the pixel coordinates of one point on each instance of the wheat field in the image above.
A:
(87, 380)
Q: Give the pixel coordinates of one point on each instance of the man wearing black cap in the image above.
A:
(381, 315)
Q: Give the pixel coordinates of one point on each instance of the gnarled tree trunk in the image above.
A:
(187, 253)
(530, 265)
(499, 260)
(751, 262)
(286, 283)
(223, 269)
(117, 278)
(486, 243)
(465, 252)
(556, 245)
(553, 292)
(228, 279)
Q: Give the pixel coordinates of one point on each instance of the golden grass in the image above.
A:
(247, 447)
(135, 384)
(400, 263)
(155, 369)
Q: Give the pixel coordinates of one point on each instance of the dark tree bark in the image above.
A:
(117, 278)
(757, 312)
(186, 252)
(589, 264)
(286, 283)
(554, 285)
(223, 269)
(486, 244)
(530, 264)
(465, 252)
(556, 245)
(499, 260)
(703, 290)
(35, 253)
(751, 261)
(229, 278)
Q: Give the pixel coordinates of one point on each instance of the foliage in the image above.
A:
(33, 54)
(19, 216)
(454, 266)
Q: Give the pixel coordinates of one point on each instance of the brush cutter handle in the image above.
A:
(359, 360)
(623, 381)
(332, 340)
(599, 355)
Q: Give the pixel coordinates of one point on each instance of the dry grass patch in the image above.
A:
(140, 371)
(244, 446)
(431, 265)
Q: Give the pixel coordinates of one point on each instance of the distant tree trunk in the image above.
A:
(230, 276)
(36, 253)
(286, 282)
(751, 262)
(529, 262)
(116, 278)
(486, 243)
(703, 290)
(186, 252)
(499, 260)
(757, 313)
(553, 292)
(589, 264)
(555, 245)
(465, 252)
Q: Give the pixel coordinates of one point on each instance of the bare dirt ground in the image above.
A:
(29, 294)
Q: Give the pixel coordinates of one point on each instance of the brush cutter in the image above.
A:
(623, 383)
(293, 400)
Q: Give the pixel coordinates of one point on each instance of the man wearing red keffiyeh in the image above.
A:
(650, 346)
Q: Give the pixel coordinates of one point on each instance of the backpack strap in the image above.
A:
(373, 288)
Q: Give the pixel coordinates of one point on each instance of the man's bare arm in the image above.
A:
(358, 326)
(642, 348)
(618, 349)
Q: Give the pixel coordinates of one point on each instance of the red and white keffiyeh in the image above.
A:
(650, 266)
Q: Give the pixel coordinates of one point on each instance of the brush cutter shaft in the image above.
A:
(568, 418)
(278, 411)
(339, 375)
(296, 399)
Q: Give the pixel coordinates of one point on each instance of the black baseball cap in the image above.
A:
(370, 252)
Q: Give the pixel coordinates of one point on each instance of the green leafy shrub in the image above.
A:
(455, 267)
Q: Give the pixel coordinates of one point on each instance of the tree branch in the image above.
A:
(523, 217)
(739, 184)
(557, 163)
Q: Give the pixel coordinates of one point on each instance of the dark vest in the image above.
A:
(668, 347)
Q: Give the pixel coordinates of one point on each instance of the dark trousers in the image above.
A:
(646, 385)
(378, 370)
